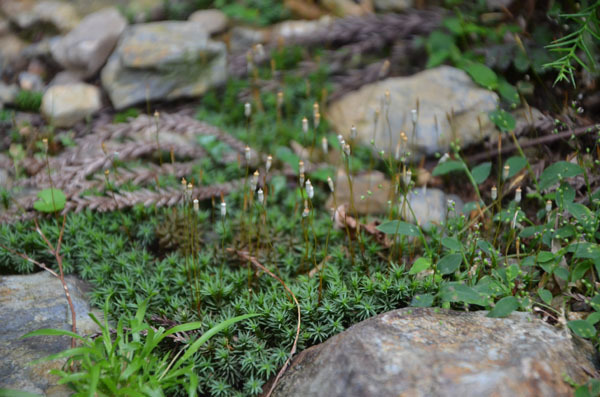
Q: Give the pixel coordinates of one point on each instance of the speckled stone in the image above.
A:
(424, 352)
(429, 206)
(29, 303)
(85, 49)
(163, 61)
(441, 92)
(65, 105)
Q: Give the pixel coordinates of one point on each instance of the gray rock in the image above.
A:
(161, 61)
(429, 205)
(31, 82)
(4, 26)
(435, 352)
(30, 303)
(11, 60)
(86, 48)
(346, 8)
(41, 49)
(441, 92)
(5, 179)
(295, 29)
(364, 203)
(393, 5)
(8, 93)
(66, 77)
(28, 14)
(243, 38)
(212, 21)
(65, 105)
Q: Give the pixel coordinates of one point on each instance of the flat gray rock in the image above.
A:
(29, 303)
(434, 352)
(441, 92)
(212, 21)
(429, 206)
(65, 105)
(163, 61)
(86, 48)
(28, 14)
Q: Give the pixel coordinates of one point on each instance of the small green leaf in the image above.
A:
(580, 270)
(503, 120)
(420, 264)
(452, 244)
(515, 164)
(593, 318)
(582, 328)
(449, 263)
(50, 200)
(595, 302)
(582, 391)
(504, 307)
(448, 166)
(508, 92)
(482, 75)
(544, 256)
(545, 295)
(423, 300)
(399, 227)
(558, 171)
(458, 292)
(481, 172)
(584, 250)
(562, 273)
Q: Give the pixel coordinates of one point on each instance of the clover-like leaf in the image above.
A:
(50, 200)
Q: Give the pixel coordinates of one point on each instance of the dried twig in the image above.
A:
(247, 257)
(532, 142)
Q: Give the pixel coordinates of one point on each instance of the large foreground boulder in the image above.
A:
(30, 303)
(163, 61)
(434, 352)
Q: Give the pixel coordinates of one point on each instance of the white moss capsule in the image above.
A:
(444, 158)
(347, 150)
(196, 205)
(247, 153)
(310, 191)
(254, 180)
(340, 139)
(247, 109)
(330, 183)
(387, 98)
(301, 167)
(269, 163)
(279, 99)
(407, 177)
(505, 171)
(261, 196)
(518, 195)
(413, 115)
(223, 208)
(324, 145)
(306, 211)
(317, 120)
(494, 193)
(304, 125)
(301, 179)
(548, 206)
(353, 132)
